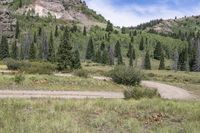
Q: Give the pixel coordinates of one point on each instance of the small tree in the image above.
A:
(109, 27)
(17, 31)
(32, 52)
(141, 44)
(147, 61)
(76, 62)
(14, 52)
(4, 50)
(158, 51)
(90, 50)
(56, 31)
(51, 52)
(105, 58)
(85, 31)
(65, 52)
(162, 61)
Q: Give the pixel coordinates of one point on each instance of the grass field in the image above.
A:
(88, 116)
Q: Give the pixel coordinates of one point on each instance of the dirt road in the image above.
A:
(168, 91)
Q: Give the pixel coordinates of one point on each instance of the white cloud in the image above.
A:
(133, 14)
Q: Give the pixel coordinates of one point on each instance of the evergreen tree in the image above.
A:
(85, 31)
(102, 46)
(132, 39)
(131, 56)
(123, 30)
(32, 52)
(147, 61)
(56, 31)
(76, 62)
(119, 58)
(162, 61)
(14, 52)
(141, 44)
(90, 53)
(134, 54)
(111, 56)
(4, 50)
(21, 52)
(39, 31)
(196, 66)
(17, 31)
(109, 27)
(65, 52)
(51, 52)
(175, 60)
(98, 56)
(129, 50)
(35, 38)
(158, 51)
(183, 60)
(117, 48)
(105, 58)
(20, 3)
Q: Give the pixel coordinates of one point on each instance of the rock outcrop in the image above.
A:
(7, 23)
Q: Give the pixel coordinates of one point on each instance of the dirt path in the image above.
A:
(168, 91)
(59, 94)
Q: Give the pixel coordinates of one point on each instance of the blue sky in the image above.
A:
(134, 12)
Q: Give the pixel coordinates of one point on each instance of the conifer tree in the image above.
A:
(17, 31)
(134, 54)
(51, 51)
(102, 46)
(141, 47)
(117, 48)
(131, 56)
(20, 3)
(129, 50)
(32, 52)
(123, 30)
(21, 52)
(14, 52)
(56, 31)
(35, 38)
(162, 61)
(111, 55)
(98, 56)
(158, 51)
(105, 58)
(118, 53)
(4, 50)
(65, 52)
(147, 61)
(76, 62)
(90, 53)
(109, 27)
(85, 31)
(196, 66)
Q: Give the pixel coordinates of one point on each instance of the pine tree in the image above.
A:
(129, 50)
(85, 31)
(111, 56)
(21, 52)
(90, 53)
(183, 60)
(98, 56)
(147, 61)
(119, 58)
(134, 54)
(39, 31)
(105, 58)
(109, 27)
(131, 56)
(51, 52)
(4, 50)
(65, 52)
(117, 48)
(17, 31)
(158, 51)
(20, 3)
(162, 61)
(123, 30)
(56, 31)
(141, 44)
(76, 62)
(196, 66)
(32, 52)
(175, 60)
(14, 52)
(102, 46)
(35, 38)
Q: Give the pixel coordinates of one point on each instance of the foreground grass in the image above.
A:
(51, 82)
(81, 116)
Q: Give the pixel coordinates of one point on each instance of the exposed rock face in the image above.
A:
(7, 23)
(61, 9)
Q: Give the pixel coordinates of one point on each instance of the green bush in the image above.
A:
(39, 68)
(81, 73)
(138, 93)
(15, 64)
(19, 78)
(126, 75)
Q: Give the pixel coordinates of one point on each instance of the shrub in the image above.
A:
(39, 68)
(126, 75)
(14, 64)
(81, 73)
(138, 93)
(19, 78)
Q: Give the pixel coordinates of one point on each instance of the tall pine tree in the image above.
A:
(141, 47)
(32, 52)
(158, 51)
(85, 31)
(64, 57)
(147, 61)
(51, 52)
(14, 52)
(162, 61)
(76, 62)
(56, 31)
(17, 31)
(4, 50)
(109, 27)
(90, 53)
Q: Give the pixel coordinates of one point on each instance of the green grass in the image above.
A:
(114, 116)
(51, 82)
